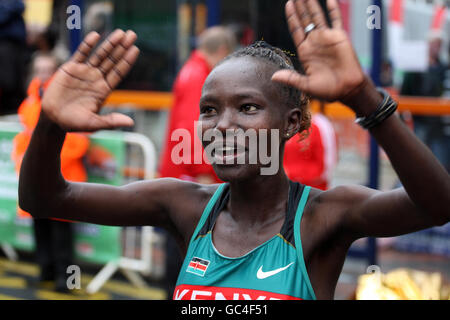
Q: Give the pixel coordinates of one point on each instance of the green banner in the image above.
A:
(7, 216)
(104, 163)
(8, 186)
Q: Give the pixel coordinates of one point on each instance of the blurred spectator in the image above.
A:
(244, 34)
(429, 83)
(42, 39)
(386, 76)
(13, 53)
(98, 18)
(312, 160)
(53, 238)
(430, 129)
(446, 119)
(214, 44)
(447, 77)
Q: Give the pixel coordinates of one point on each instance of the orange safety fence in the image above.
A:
(133, 172)
(415, 105)
(144, 100)
(161, 101)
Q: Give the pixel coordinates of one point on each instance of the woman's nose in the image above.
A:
(226, 121)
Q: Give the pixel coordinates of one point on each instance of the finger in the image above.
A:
(108, 121)
(115, 120)
(121, 69)
(106, 48)
(85, 47)
(295, 27)
(292, 79)
(112, 60)
(118, 52)
(302, 13)
(316, 13)
(335, 14)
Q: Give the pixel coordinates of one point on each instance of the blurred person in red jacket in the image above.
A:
(311, 160)
(213, 45)
(53, 238)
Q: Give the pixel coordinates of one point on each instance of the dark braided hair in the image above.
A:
(294, 98)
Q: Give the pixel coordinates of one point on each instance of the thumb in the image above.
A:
(114, 120)
(292, 78)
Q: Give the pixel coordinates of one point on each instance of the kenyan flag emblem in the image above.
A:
(198, 266)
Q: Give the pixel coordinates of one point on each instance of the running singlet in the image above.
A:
(275, 270)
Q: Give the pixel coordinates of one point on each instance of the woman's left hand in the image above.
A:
(332, 69)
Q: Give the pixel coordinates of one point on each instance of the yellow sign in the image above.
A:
(38, 12)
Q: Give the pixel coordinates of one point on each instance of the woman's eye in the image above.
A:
(249, 108)
(208, 110)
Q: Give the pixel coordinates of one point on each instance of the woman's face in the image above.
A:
(242, 119)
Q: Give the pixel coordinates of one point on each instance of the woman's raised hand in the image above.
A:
(332, 70)
(80, 86)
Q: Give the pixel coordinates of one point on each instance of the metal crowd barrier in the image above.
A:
(130, 265)
(134, 255)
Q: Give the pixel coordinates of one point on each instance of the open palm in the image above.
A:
(332, 70)
(80, 86)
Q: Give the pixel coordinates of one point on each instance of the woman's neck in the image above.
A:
(259, 200)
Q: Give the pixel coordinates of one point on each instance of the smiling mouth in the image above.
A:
(228, 154)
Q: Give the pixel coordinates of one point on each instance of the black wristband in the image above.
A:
(384, 111)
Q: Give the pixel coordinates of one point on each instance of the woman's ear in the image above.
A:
(293, 122)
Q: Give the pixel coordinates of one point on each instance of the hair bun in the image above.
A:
(262, 44)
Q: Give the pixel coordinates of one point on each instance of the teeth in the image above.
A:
(225, 149)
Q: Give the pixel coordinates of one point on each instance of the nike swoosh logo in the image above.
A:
(263, 275)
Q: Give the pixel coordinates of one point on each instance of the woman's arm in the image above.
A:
(424, 200)
(44, 193)
(333, 73)
(71, 103)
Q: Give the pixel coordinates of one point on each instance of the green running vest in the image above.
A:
(275, 270)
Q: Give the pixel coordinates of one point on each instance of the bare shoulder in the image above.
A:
(183, 202)
(185, 197)
(339, 198)
(172, 193)
(326, 211)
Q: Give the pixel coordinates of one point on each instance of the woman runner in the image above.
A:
(257, 236)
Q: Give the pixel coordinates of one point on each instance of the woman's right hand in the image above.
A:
(80, 86)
